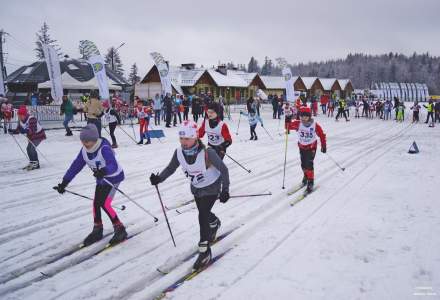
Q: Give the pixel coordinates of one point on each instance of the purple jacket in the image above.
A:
(105, 156)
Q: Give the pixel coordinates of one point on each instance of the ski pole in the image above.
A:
(285, 160)
(238, 163)
(85, 197)
(251, 195)
(111, 184)
(336, 163)
(39, 151)
(267, 132)
(120, 127)
(18, 144)
(165, 214)
(238, 126)
(132, 127)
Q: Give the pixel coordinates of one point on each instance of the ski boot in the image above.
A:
(119, 236)
(148, 142)
(214, 227)
(304, 181)
(251, 138)
(94, 236)
(255, 138)
(309, 186)
(204, 256)
(33, 165)
(114, 146)
(141, 142)
(69, 133)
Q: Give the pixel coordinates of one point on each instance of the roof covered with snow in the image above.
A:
(327, 83)
(77, 68)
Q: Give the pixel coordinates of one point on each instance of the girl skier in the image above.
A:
(30, 126)
(289, 113)
(253, 121)
(209, 181)
(143, 114)
(112, 119)
(308, 130)
(217, 131)
(98, 155)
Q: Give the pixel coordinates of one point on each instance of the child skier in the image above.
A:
(6, 110)
(289, 112)
(112, 119)
(253, 121)
(400, 112)
(416, 109)
(217, 131)
(143, 114)
(308, 130)
(30, 126)
(98, 155)
(209, 181)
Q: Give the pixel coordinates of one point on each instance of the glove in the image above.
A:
(241, 112)
(99, 173)
(262, 125)
(224, 196)
(61, 187)
(323, 149)
(155, 179)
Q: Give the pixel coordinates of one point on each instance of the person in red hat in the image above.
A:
(308, 131)
(30, 126)
(217, 131)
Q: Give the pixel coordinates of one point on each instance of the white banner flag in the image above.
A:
(163, 69)
(2, 83)
(98, 66)
(290, 90)
(53, 68)
(288, 79)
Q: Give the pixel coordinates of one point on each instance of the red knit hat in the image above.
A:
(305, 111)
(22, 111)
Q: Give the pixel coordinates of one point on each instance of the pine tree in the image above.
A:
(253, 66)
(113, 60)
(267, 67)
(133, 77)
(43, 37)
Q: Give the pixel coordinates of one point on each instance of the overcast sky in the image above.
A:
(206, 32)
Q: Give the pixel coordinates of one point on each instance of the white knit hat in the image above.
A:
(188, 129)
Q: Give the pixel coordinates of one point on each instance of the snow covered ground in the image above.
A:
(371, 232)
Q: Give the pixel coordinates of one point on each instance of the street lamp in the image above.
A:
(113, 54)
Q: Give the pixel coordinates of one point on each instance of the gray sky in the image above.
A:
(205, 32)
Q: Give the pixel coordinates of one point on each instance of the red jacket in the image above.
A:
(294, 125)
(224, 131)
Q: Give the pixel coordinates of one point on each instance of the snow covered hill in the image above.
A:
(370, 232)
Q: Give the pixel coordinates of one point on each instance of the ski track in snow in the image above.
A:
(41, 225)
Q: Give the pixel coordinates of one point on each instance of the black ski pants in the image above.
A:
(204, 205)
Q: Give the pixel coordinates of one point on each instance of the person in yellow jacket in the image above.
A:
(430, 108)
(94, 110)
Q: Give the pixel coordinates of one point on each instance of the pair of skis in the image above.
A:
(192, 273)
(301, 196)
(81, 246)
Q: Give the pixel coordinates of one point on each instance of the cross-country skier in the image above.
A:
(341, 109)
(7, 111)
(308, 130)
(253, 121)
(98, 155)
(217, 131)
(112, 118)
(30, 126)
(416, 110)
(289, 113)
(143, 114)
(209, 181)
